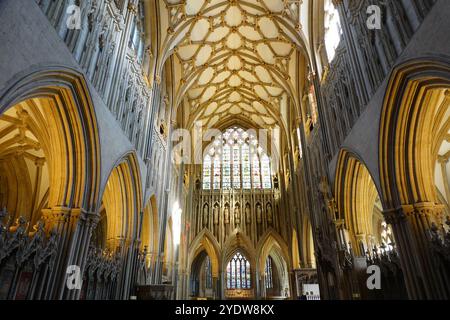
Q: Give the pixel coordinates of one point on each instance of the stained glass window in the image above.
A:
(226, 167)
(265, 172)
(269, 274)
(246, 184)
(216, 183)
(256, 171)
(236, 167)
(238, 273)
(233, 161)
(207, 173)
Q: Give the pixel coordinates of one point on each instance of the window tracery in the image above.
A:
(238, 272)
(238, 162)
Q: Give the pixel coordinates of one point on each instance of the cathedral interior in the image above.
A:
(224, 149)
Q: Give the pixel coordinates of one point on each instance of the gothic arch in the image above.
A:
(355, 194)
(271, 240)
(122, 200)
(205, 241)
(70, 124)
(238, 242)
(150, 228)
(272, 245)
(409, 131)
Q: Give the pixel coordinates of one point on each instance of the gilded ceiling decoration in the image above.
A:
(235, 57)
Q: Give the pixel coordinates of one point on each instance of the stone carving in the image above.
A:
(237, 214)
(216, 214)
(205, 215)
(248, 217)
(269, 214)
(258, 213)
(226, 214)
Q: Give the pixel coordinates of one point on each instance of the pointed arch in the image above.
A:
(412, 121)
(355, 194)
(122, 200)
(71, 124)
(205, 240)
(150, 227)
(271, 240)
(238, 241)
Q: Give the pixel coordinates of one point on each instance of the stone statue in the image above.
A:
(216, 214)
(205, 215)
(237, 214)
(269, 214)
(258, 213)
(227, 214)
(248, 218)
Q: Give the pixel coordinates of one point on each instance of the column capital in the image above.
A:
(56, 214)
(421, 209)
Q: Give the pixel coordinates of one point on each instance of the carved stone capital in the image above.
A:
(422, 209)
(57, 215)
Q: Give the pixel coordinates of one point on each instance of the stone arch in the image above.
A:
(238, 242)
(270, 240)
(355, 194)
(150, 228)
(414, 119)
(207, 242)
(122, 201)
(273, 246)
(73, 154)
(409, 131)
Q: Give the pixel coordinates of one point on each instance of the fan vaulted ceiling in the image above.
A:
(235, 57)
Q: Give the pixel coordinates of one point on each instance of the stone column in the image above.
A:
(73, 227)
(411, 225)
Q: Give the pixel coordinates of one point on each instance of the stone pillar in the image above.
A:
(411, 225)
(73, 228)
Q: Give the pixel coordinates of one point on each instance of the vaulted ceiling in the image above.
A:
(234, 58)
